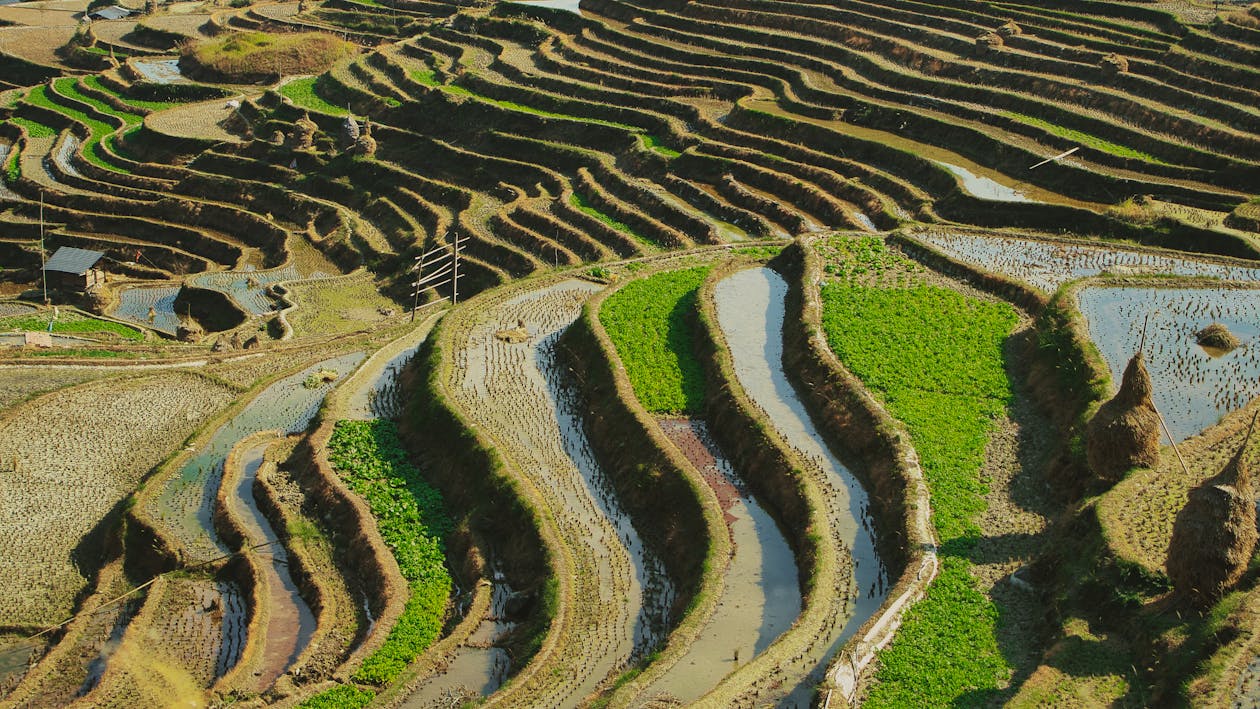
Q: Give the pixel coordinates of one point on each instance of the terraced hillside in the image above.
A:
(739, 353)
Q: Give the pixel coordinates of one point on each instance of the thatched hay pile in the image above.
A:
(989, 41)
(1113, 64)
(1010, 29)
(365, 144)
(1124, 434)
(304, 133)
(1215, 533)
(1218, 336)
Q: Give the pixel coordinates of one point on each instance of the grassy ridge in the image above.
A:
(99, 129)
(70, 323)
(302, 93)
(413, 523)
(247, 54)
(647, 322)
(936, 358)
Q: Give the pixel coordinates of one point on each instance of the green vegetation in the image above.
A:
(249, 55)
(424, 76)
(760, 252)
(458, 90)
(1083, 138)
(935, 357)
(13, 167)
(302, 93)
(652, 143)
(69, 88)
(33, 129)
(99, 129)
(70, 323)
(345, 696)
(95, 82)
(580, 202)
(648, 322)
(413, 524)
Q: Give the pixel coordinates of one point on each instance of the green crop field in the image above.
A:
(413, 523)
(648, 321)
(935, 357)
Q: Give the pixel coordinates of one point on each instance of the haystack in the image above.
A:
(1215, 534)
(1124, 433)
(1010, 29)
(989, 41)
(304, 135)
(1218, 336)
(365, 144)
(1112, 64)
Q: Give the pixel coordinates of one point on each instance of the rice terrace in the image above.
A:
(629, 353)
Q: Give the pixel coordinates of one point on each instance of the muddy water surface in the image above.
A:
(761, 596)
(984, 187)
(290, 622)
(750, 308)
(1193, 388)
(135, 304)
(186, 501)
(518, 396)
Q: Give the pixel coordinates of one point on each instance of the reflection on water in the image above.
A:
(984, 187)
(186, 503)
(1193, 388)
(751, 313)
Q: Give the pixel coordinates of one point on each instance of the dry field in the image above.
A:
(78, 452)
(195, 120)
(19, 383)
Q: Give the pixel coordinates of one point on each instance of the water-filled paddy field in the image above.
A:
(1193, 387)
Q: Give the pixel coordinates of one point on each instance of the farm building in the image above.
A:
(74, 269)
(113, 12)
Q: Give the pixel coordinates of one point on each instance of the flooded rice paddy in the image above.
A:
(750, 308)
(518, 395)
(159, 71)
(1193, 388)
(761, 597)
(289, 623)
(185, 504)
(984, 187)
(137, 304)
(1049, 264)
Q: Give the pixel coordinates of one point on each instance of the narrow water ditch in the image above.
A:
(761, 597)
(616, 606)
(289, 620)
(751, 312)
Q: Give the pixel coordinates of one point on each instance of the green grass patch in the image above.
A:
(13, 167)
(344, 697)
(648, 322)
(246, 55)
(413, 523)
(302, 93)
(652, 143)
(935, 358)
(92, 150)
(1083, 138)
(93, 81)
(577, 200)
(69, 88)
(425, 76)
(70, 323)
(33, 129)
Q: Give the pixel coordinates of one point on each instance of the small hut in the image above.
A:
(1215, 533)
(1124, 433)
(74, 269)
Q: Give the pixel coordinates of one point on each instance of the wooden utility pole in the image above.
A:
(43, 255)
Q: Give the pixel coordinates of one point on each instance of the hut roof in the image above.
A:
(68, 259)
(113, 12)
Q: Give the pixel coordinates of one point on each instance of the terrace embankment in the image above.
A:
(675, 510)
(609, 593)
(758, 420)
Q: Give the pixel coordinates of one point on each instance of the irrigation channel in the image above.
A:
(185, 504)
(614, 591)
(751, 312)
(760, 597)
(289, 621)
